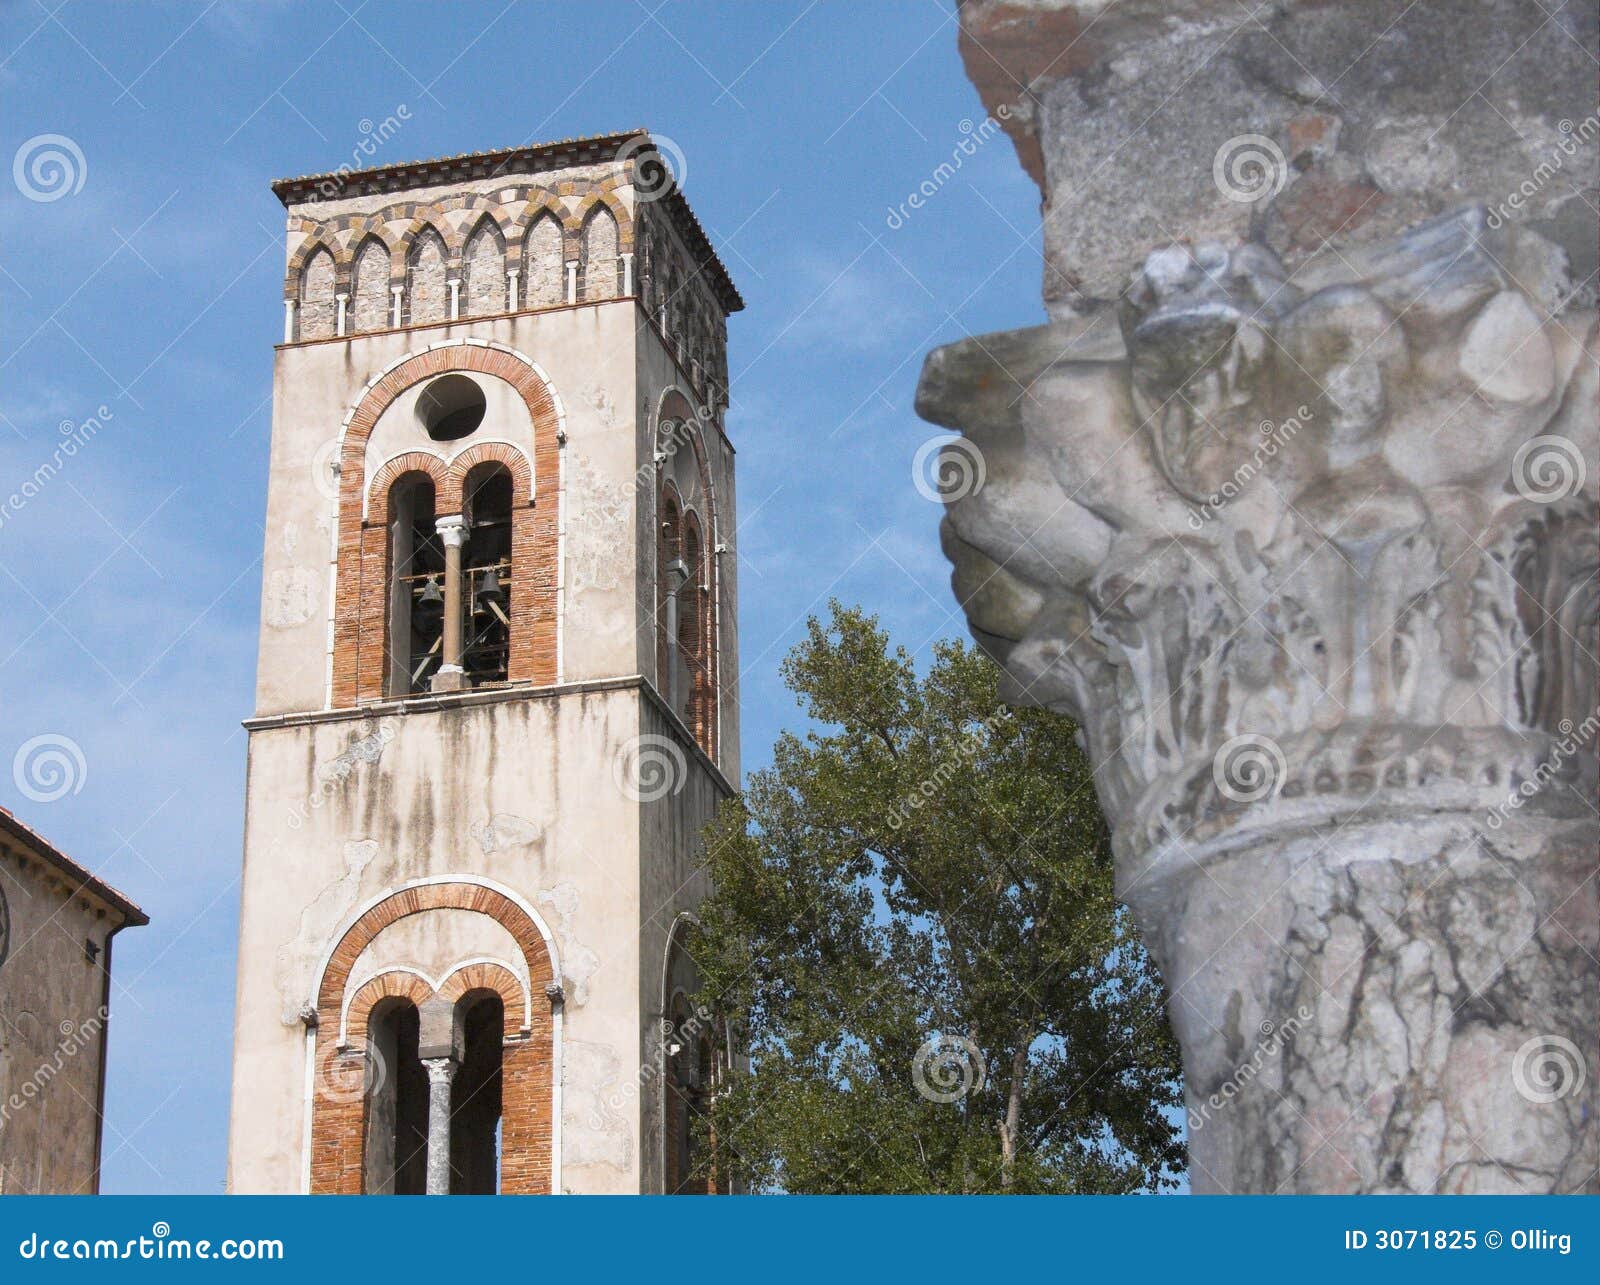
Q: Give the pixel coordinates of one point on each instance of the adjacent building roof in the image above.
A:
(26, 836)
(535, 158)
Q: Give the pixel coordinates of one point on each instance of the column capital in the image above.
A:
(1292, 508)
(441, 1070)
(452, 529)
(1306, 546)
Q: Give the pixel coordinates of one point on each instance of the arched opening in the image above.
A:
(395, 1157)
(427, 295)
(486, 576)
(317, 306)
(691, 1077)
(416, 587)
(669, 579)
(371, 286)
(692, 602)
(476, 1097)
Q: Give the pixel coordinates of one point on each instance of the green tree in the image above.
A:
(915, 937)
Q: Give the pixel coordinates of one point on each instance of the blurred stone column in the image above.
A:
(1293, 507)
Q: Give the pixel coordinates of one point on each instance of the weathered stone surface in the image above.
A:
(1126, 114)
(1299, 523)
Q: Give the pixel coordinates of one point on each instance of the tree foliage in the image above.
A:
(915, 937)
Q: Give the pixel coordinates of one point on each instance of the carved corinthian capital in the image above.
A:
(1307, 544)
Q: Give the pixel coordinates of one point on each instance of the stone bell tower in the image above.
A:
(497, 696)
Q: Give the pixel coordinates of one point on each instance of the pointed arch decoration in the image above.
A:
(544, 262)
(427, 297)
(318, 285)
(369, 287)
(599, 266)
(483, 268)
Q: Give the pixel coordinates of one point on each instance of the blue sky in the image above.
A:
(131, 581)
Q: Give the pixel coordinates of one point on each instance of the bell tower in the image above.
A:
(498, 682)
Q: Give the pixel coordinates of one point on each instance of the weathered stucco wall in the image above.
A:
(586, 352)
(474, 792)
(52, 1033)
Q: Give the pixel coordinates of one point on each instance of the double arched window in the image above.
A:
(395, 1145)
(450, 583)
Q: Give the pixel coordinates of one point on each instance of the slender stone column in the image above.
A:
(1293, 508)
(441, 1075)
(451, 677)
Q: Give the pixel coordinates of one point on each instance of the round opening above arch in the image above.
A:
(451, 407)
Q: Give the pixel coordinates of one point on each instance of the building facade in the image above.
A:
(498, 681)
(56, 925)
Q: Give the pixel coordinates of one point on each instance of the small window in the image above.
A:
(451, 407)
(416, 589)
(486, 575)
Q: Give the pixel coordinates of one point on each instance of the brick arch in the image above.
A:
(377, 495)
(391, 985)
(361, 598)
(489, 453)
(675, 406)
(482, 975)
(489, 976)
(339, 1119)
